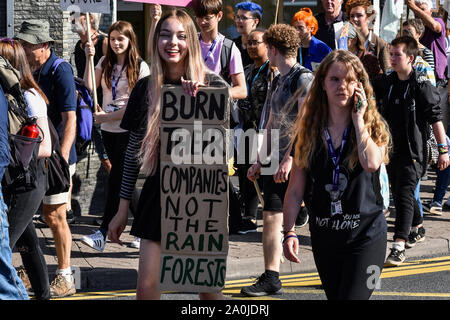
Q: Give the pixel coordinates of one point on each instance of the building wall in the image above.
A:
(90, 180)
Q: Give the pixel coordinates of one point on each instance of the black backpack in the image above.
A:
(21, 174)
(225, 56)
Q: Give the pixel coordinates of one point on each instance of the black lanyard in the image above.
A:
(335, 157)
(115, 82)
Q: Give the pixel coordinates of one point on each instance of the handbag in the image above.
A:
(58, 176)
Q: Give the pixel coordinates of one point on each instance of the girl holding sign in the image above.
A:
(341, 142)
(117, 72)
(176, 60)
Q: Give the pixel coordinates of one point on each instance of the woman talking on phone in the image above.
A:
(340, 143)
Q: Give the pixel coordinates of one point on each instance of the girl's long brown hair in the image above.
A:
(131, 58)
(13, 51)
(195, 70)
(313, 118)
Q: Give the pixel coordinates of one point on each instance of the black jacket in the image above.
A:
(421, 109)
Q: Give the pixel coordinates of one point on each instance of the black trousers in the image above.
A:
(22, 234)
(349, 273)
(116, 146)
(248, 192)
(403, 178)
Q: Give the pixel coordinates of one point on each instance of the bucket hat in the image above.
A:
(35, 32)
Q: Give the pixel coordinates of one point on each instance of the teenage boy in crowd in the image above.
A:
(223, 57)
(409, 104)
(59, 87)
(282, 42)
(247, 18)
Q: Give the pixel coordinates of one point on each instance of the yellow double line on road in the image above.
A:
(289, 282)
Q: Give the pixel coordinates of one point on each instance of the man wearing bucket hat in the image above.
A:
(59, 86)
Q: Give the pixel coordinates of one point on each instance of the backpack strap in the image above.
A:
(294, 82)
(56, 64)
(225, 57)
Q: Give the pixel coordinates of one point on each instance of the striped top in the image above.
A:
(428, 56)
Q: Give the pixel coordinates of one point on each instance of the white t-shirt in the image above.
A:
(37, 108)
(122, 93)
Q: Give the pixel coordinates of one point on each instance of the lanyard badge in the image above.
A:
(336, 205)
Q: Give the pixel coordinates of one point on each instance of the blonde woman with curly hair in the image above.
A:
(340, 143)
(176, 59)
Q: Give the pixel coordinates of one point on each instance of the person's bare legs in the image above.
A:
(271, 239)
(148, 272)
(55, 217)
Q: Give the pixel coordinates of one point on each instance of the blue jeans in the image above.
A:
(11, 287)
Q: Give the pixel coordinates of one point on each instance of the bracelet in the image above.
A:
(442, 145)
(443, 150)
(286, 232)
(290, 236)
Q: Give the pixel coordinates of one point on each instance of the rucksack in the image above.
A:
(21, 173)
(225, 56)
(84, 112)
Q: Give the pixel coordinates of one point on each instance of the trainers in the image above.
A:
(395, 258)
(247, 226)
(95, 241)
(433, 208)
(60, 287)
(302, 217)
(263, 287)
(415, 237)
(22, 273)
(136, 243)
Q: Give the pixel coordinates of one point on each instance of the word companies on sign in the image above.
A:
(96, 6)
(194, 189)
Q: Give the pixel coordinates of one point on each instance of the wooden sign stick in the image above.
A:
(91, 63)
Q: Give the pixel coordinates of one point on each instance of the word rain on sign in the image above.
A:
(194, 189)
(97, 6)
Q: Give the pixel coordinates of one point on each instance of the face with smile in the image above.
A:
(358, 17)
(172, 41)
(119, 42)
(339, 85)
(256, 47)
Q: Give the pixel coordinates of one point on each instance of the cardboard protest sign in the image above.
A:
(175, 3)
(194, 194)
(95, 6)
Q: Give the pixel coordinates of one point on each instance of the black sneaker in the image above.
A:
(302, 217)
(247, 226)
(264, 286)
(395, 258)
(415, 237)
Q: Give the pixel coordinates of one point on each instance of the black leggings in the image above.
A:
(116, 146)
(22, 234)
(351, 273)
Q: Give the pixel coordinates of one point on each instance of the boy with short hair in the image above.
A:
(282, 42)
(409, 104)
(208, 13)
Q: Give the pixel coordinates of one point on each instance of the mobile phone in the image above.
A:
(358, 103)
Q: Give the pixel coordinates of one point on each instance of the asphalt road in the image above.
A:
(421, 279)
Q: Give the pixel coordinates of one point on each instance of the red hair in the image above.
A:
(306, 15)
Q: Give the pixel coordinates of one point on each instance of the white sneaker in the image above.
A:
(136, 243)
(95, 241)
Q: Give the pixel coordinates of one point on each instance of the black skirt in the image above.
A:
(147, 220)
